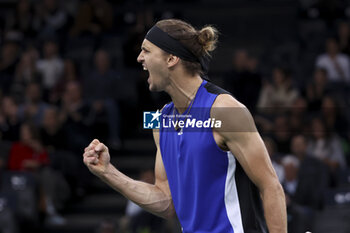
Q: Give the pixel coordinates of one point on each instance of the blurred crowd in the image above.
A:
(68, 74)
(59, 88)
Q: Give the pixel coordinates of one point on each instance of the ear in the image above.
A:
(172, 60)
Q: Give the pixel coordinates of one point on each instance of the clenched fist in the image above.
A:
(96, 157)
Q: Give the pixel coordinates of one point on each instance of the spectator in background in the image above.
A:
(298, 216)
(21, 21)
(305, 184)
(279, 95)
(55, 141)
(299, 219)
(70, 73)
(239, 65)
(298, 115)
(313, 176)
(280, 126)
(9, 121)
(326, 146)
(33, 107)
(51, 66)
(282, 134)
(101, 87)
(135, 36)
(26, 72)
(52, 134)
(344, 37)
(317, 89)
(71, 70)
(29, 155)
(244, 80)
(10, 52)
(332, 116)
(336, 63)
(76, 117)
(101, 80)
(93, 18)
(50, 18)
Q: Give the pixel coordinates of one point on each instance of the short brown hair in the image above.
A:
(199, 42)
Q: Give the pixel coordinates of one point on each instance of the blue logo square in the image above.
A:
(151, 120)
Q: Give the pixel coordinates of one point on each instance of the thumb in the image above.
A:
(101, 148)
(95, 142)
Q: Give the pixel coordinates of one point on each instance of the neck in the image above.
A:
(183, 89)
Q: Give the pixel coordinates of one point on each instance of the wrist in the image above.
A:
(109, 169)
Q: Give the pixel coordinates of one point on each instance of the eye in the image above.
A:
(145, 50)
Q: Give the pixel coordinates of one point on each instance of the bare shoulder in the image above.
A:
(235, 116)
(226, 100)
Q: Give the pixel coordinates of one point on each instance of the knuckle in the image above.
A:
(90, 160)
(104, 147)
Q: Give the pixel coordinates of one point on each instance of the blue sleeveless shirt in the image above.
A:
(210, 191)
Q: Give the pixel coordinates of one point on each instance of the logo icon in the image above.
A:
(151, 120)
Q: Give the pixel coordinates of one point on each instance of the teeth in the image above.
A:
(144, 68)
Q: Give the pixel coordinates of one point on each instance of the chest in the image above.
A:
(191, 150)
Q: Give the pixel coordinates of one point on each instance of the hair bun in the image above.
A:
(208, 37)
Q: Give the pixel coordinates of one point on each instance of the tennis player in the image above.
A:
(215, 180)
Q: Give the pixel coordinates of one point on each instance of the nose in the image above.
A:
(140, 58)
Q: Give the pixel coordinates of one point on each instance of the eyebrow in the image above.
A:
(144, 47)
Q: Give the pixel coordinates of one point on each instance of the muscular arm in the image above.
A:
(155, 198)
(240, 136)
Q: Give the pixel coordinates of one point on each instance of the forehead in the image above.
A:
(149, 45)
